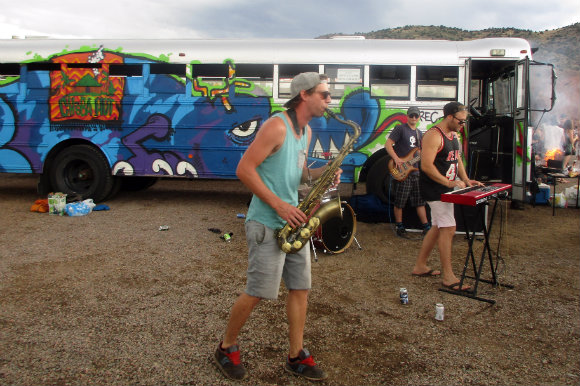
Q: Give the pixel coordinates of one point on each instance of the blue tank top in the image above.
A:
(281, 173)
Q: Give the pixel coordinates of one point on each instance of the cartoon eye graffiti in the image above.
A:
(244, 133)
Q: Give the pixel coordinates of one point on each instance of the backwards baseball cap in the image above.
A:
(452, 108)
(414, 110)
(303, 81)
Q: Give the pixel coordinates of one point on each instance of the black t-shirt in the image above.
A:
(405, 138)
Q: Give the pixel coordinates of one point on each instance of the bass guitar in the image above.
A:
(407, 167)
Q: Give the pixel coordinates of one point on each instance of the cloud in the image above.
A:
(279, 19)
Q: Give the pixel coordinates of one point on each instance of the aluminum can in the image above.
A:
(404, 296)
(439, 311)
(164, 227)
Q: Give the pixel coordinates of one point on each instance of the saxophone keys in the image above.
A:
(286, 247)
(305, 233)
(314, 222)
(296, 245)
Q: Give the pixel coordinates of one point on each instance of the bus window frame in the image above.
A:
(288, 75)
(374, 80)
(258, 78)
(167, 69)
(431, 83)
(211, 75)
(132, 73)
(337, 93)
(39, 92)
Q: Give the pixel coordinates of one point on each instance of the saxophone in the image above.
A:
(291, 240)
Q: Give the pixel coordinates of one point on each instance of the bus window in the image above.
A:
(43, 66)
(502, 91)
(342, 78)
(167, 78)
(211, 77)
(437, 82)
(8, 70)
(38, 81)
(260, 75)
(133, 74)
(476, 94)
(391, 82)
(286, 72)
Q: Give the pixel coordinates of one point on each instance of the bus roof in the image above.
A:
(274, 51)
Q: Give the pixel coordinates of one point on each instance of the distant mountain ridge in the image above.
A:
(560, 47)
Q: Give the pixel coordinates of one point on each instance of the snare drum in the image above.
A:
(336, 234)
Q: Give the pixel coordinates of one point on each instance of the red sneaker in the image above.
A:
(305, 367)
(228, 361)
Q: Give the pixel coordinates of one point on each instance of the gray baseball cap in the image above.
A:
(303, 81)
(414, 110)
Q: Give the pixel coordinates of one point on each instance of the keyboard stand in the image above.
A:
(471, 236)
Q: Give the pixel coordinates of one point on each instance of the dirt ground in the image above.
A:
(109, 299)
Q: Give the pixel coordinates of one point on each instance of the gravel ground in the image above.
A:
(108, 299)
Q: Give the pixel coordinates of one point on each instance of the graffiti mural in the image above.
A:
(159, 124)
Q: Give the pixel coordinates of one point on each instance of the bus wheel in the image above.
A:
(81, 170)
(379, 180)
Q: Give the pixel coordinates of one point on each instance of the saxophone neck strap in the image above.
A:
(294, 119)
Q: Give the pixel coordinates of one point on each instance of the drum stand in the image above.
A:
(328, 251)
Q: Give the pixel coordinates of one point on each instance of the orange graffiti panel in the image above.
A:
(86, 94)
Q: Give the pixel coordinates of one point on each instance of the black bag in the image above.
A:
(370, 208)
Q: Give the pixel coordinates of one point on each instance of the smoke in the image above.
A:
(553, 137)
(567, 90)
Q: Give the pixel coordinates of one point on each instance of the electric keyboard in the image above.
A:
(474, 195)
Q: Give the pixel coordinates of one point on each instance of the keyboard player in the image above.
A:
(442, 170)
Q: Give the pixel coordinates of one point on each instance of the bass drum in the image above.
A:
(336, 234)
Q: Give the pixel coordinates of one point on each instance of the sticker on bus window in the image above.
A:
(348, 75)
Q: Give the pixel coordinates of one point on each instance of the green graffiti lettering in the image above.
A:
(86, 106)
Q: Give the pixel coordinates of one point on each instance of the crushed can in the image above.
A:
(227, 236)
(163, 227)
(439, 311)
(404, 296)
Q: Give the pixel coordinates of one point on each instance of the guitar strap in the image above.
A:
(418, 137)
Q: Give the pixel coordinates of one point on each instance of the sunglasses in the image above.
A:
(413, 115)
(324, 94)
(460, 121)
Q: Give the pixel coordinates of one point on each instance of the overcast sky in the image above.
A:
(261, 18)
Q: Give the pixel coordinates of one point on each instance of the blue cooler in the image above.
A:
(543, 196)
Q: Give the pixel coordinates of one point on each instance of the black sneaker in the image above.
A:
(228, 361)
(305, 367)
(402, 232)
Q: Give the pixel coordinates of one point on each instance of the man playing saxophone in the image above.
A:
(273, 167)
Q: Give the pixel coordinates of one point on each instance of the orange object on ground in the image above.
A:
(40, 206)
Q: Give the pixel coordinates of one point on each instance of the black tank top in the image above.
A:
(446, 164)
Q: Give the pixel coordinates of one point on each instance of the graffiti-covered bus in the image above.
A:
(91, 116)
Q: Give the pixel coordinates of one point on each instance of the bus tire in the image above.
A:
(378, 180)
(82, 171)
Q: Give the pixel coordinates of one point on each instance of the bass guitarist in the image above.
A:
(403, 145)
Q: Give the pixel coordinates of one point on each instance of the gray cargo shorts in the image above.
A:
(267, 264)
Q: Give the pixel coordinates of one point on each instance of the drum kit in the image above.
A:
(337, 233)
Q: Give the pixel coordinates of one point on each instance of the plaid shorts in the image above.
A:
(408, 189)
